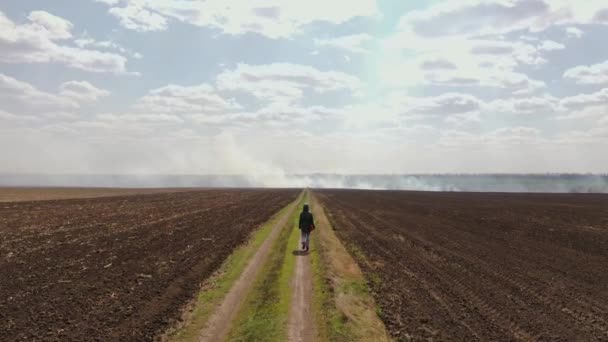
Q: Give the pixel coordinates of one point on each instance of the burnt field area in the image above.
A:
(473, 266)
(117, 268)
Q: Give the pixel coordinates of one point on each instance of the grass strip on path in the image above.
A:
(344, 309)
(215, 288)
(264, 315)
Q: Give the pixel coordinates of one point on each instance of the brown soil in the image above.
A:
(301, 328)
(117, 268)
(470, 267)
(13, 194)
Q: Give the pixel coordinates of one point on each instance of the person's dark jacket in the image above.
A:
(307, 221)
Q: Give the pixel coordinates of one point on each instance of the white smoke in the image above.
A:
(227, 162)
(256, 172)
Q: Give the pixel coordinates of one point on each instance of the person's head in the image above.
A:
(305, 209)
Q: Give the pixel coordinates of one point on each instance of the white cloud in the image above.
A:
(471, 40)
(583, 114)
(493, 48)
(594, 136)
(277, 85)
(476, 17)
(472, 65)
(593, 74)
(529, 105)
(464, 119)
(140, 118)
(356, 43)
(520, 83)
(397, 108)
(444, 104)
(50, 25)
(512, 53)
(550, 45)
(601, 16)
(574, 32)
(459, 108)
(138, 18)
(21, 96)
(284, 81)
(483, 17)
(502, 137)
(174, 99)
(24, 99)
(581, 101)
(279, 114)
(82, 91)
(9, 118)
(42, 41)
(437, 64)
(86, 41)
(108, 2)
(456, 61)
(515, 134)
(271, 18)
(465, 74)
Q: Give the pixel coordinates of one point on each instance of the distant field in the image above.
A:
(475, 266)
(117, 268)
(10, 194)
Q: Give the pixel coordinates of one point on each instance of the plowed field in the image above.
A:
(117, 268)
(480, 267)
(17, 194)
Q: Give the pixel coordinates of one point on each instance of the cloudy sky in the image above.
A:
(344, 86)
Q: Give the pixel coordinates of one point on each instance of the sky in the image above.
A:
(299, 87)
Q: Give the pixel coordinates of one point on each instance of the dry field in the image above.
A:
(117, 268)
(480, 267)
(15, 194)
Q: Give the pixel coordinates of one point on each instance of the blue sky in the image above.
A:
(275, 87)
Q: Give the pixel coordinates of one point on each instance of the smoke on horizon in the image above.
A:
(558, 183)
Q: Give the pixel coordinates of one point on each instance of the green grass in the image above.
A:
(216, 287)
(264, 315)
(329, 321)
(357, 288)
(373, 278)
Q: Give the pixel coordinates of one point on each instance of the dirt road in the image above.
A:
(301, 327)
(220, 323)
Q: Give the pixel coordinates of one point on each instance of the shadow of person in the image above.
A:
(298, 252)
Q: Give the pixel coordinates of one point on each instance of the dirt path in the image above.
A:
(301, 328)
(219, 324)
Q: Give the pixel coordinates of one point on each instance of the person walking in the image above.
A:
(307, 225)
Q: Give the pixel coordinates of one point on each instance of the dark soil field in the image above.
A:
(480, 267)
(117, 268)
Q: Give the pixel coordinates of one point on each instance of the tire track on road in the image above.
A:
(300, 324)
(220, 322)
